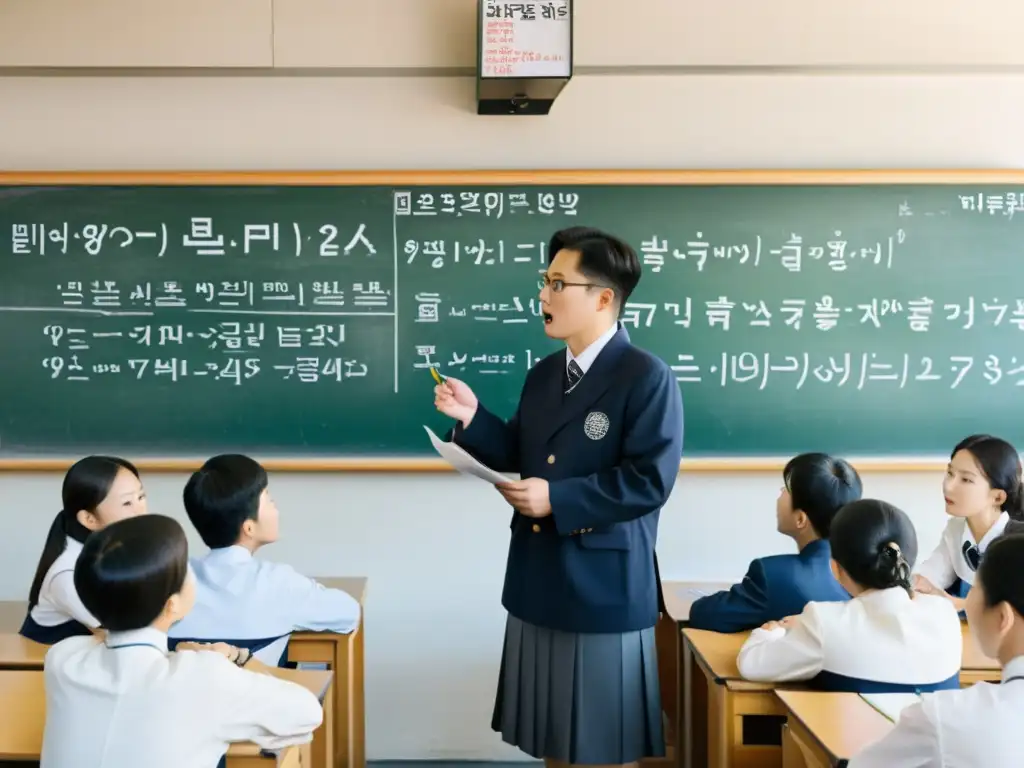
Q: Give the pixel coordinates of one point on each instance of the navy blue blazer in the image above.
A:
(610, 450)
(774, 587)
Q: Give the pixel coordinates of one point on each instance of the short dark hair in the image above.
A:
(819, 485)
(86, 484)
(1000, 463)
(875, 543)
(221, 495)
(604, 259)
(128, 570)
(1001, 573)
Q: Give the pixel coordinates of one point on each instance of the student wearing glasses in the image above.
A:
(982, 491)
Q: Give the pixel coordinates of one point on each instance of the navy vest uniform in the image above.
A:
(31, 629)
(610, 449)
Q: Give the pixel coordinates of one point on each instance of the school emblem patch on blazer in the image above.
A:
(596, 425)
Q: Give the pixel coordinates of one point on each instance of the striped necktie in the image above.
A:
(573, 374)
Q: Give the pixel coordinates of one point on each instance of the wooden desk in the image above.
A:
(720, 707)
(679, 596)
(23, 702)
(339, 743)
(716, 699)
(824, 730)
(17, 652)
(344, 655)
(976, 666)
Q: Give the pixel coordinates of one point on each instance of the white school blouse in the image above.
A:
(58, 598)
(242, 598)
(976, 726)
(125, 702)
(946, 563)
(881, 636)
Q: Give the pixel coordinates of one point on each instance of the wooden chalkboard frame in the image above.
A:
(499, 177)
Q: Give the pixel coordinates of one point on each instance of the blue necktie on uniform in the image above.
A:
(573, 374)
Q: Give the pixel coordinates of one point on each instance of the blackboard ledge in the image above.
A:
(414, 465)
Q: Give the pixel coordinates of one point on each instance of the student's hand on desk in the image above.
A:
(456, 400)
(227, 651)
(925, 587)
(529, 496)
(787, 623)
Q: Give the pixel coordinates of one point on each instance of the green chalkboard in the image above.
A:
(294, 318)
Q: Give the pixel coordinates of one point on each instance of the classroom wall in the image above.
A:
(797, 83)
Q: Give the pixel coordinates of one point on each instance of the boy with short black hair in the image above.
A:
(815, 487)
(242, 601)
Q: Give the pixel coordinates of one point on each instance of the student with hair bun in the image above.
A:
(886, 639)
(124, 701)
(97, 491)
(982, 490)
(976, 726)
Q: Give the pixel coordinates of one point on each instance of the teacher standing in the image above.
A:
(596, 438)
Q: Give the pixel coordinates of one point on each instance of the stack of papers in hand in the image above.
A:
(890, 704)
(462, 461)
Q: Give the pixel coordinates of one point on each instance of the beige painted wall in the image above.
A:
(434, 547)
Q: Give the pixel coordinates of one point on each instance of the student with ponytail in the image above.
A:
(97, 491)
(982, 491)
(886, 639)
(980, 724)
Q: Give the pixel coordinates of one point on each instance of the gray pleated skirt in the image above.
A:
(589, 699)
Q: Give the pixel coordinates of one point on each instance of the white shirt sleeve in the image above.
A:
(938, 567)
(316, 608)
(912, 743)
(780, 655)
(62, 594)
(258, 707)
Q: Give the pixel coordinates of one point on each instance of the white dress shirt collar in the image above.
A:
(1014, 668)
(587, 357)
(137, 637)
(990, 535)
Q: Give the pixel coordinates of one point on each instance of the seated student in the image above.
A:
(982, 490)
(815, 486)
(240, 600)
(885, 639)
(97, 491)
(976, 726)
(123, 701)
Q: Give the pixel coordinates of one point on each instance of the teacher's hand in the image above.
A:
(456, 400)
(529, 496)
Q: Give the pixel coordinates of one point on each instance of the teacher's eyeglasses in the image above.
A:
(558, 285)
